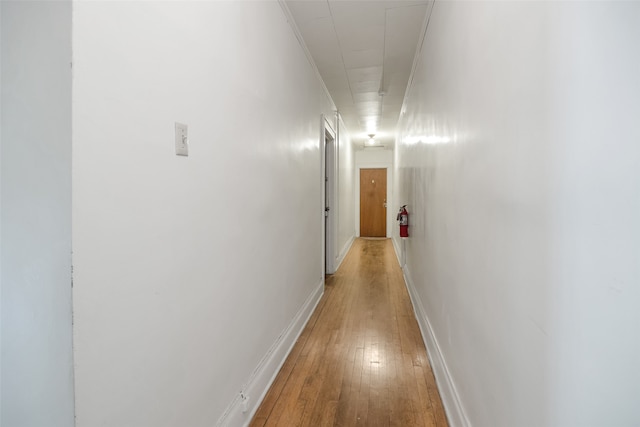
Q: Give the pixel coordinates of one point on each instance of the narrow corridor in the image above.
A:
(361, 359)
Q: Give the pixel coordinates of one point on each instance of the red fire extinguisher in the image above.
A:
(403, 218)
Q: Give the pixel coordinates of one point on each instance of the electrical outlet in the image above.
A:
(182, 140)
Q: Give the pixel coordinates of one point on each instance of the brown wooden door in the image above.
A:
(373, 199)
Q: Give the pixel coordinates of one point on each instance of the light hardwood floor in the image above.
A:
(360, 360)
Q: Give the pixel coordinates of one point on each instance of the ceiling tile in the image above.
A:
(365, 86)
(354, 45)
(307, 10)
(363, 58)
(366, 96)
(365, 73)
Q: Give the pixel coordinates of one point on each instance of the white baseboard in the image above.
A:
(396, 245)
(450, 397)
(268, 368)
(343, 252)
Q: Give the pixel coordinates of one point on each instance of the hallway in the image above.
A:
(360, 360)
(169, 193)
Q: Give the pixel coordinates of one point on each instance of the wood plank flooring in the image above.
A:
(360, 361)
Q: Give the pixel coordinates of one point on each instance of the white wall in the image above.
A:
(523, 259)
(37, 376)
(1, 214)
(346, 205)
(375, 158)
(187, 270)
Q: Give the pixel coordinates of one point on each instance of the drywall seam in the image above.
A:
(268, 368)
(448, 393)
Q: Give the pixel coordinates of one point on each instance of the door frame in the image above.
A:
(329, 167)
(382, 176)
(390, 203)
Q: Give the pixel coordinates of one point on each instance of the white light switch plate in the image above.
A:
(182, 140)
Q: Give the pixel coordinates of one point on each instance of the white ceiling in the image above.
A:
(364, 52)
